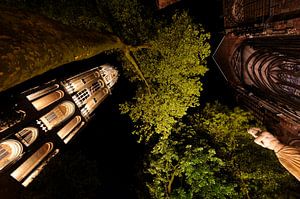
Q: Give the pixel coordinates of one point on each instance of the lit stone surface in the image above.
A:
(10, 150)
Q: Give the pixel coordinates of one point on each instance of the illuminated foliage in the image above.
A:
(255, 170)
(172, 67)
(210, 155)
(43, 44)
(184, 166)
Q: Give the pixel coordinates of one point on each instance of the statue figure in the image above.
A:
(288, 156)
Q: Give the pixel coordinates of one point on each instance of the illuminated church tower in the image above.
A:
(47, 118)
(260, 58)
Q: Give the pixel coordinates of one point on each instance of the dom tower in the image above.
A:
(47, 117)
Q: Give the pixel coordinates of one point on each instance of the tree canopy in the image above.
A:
(35, 44)
(172, 66)
(210, 155)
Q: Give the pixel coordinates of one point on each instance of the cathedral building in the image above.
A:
(259, 56)
(47, 117)
(164, 3)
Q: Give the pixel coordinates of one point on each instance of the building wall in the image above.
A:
(53, 113)
(164, 3)
(261, 16)
(262, 61)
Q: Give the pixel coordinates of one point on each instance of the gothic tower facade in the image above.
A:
(47, 117)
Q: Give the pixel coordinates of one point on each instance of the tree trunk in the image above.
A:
(32, 44)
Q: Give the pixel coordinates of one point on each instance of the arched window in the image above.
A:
(38, 169)
(10, 150)
(62, 133)
(26, 167)
(78, 82)
(45, 101)
(27, 135)
(42, 92)
(73, 133)
(96, 86)
(81, 97)
(92, 103)
(59, 114)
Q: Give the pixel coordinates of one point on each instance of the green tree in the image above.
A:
(44, 44)
(32, 44)
(211, 155)
(256, 171)
(172, 67)
(184, 166)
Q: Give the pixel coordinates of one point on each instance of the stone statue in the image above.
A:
(288, 156)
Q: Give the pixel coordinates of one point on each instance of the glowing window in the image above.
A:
(24, 169)
(62, 133)
(96, 86)
(27, 135)
(76, 83)
(90, 77)
(42, 92)
(91, 104)
(45, 101)
(37, 171)
(73, 133)
(59, 114)
(82, 95)
(10, 150)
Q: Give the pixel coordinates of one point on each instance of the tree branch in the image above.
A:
(139, 47)
(133, 61)
(169, 187)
